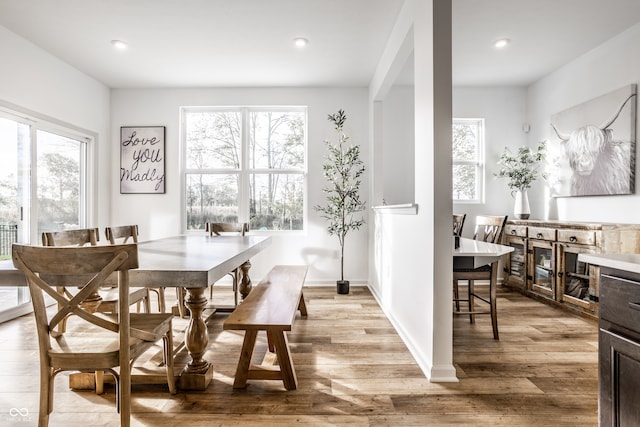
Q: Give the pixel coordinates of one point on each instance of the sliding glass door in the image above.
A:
(42, 188)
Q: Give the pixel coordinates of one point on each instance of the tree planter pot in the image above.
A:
(342, 286)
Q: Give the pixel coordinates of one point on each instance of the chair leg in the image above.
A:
(99, 378)
(235, 287)
(147, 302)
(168, 354)
(456, 294)
(471, 293)
(162, 308)
(180, 295)
(46, 396)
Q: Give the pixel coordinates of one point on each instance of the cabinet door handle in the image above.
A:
(634, 306)
(573, 239)
(539, 235)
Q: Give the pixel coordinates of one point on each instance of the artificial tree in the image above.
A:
(342, 170)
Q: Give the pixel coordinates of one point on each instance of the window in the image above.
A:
(42, 188)
(245, 165)
(468, 160)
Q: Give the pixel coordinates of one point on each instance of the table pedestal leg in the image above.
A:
(245, 284)
(198, 373)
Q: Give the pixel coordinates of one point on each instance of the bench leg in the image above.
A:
(242, 372)
(270, 344)
(302, 306)
(284, 360)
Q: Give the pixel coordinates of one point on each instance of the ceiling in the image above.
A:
(248, 43)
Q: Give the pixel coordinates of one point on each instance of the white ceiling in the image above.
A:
(248, 43)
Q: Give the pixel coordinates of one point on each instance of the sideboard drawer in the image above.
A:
(542, 233)
(515, 230)
(581, 237)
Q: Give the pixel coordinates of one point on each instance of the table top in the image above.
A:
(190, 260)
(471, 247)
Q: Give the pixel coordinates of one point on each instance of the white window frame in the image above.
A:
(478, 163)
(245, 171)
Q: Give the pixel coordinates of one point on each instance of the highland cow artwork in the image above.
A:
(593, 145)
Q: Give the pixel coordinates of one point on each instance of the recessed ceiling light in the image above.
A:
(300, 42)
(501, 43)
(119, 44)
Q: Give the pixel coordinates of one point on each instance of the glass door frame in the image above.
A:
(590, 275)
(28, 203)
(545, 245)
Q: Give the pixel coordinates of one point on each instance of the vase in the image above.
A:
(521, 208)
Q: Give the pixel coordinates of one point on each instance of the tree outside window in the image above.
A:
(245, 165)
(467, 154)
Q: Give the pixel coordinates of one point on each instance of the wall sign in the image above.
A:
(142, 159)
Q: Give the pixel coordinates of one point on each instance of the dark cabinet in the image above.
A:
(619, 349)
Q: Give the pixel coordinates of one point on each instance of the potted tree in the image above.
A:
(342, 170)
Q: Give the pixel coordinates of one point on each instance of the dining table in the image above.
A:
(471, 253)
(193, 262)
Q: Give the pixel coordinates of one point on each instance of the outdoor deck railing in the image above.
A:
(8, 236)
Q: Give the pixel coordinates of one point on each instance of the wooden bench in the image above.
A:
(271, 307)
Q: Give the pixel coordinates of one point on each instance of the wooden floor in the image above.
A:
(353, 370)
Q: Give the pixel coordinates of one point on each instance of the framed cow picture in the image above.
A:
(593, 145)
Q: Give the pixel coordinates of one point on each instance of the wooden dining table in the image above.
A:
(191, 261)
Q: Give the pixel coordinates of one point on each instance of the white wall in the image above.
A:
(411, 263)
(504, 112)
(34, 81)
(398, 152)
(159, 215)
(610, 66)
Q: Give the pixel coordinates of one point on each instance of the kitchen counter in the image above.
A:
(625, 262)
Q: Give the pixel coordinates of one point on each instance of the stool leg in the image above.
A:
(471, 293)
(493, 299)
(456, 294)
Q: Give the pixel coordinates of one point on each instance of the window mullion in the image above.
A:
(243, 181)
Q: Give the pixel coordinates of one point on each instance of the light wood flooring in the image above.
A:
(353, 370)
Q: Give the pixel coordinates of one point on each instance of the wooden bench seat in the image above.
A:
(271, 307)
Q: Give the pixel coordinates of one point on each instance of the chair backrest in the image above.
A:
(77, 237)
(458, 223)
(489, 228)
(218, 228)
(87, 267)
(124, 232)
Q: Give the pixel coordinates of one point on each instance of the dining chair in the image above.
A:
(221, 229)
(92, 341)
(104, 299)
(488, 228)
(78, 237)
(107, 300)
(129, 234)
(458, 224)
